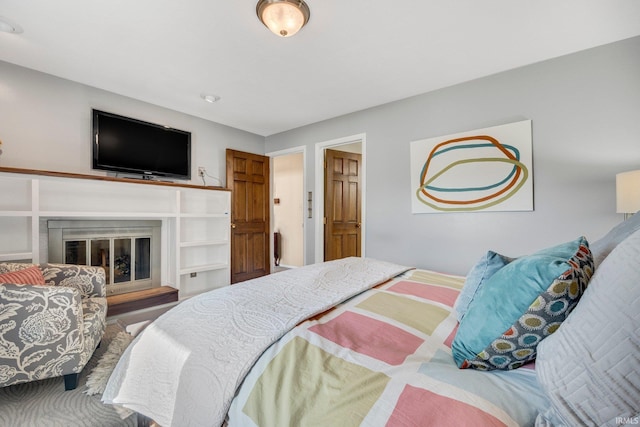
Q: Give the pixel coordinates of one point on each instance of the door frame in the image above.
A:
(293, 150)
(320, 189)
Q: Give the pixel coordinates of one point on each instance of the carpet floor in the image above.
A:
(46, 403)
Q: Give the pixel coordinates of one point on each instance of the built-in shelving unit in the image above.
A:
(195, 219)
(203, 246)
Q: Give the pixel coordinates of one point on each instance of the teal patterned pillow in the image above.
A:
(520, 305)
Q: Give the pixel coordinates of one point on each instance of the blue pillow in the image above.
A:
(486, 267)
(520, 305)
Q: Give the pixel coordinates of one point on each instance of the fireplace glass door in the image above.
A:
(126, 260)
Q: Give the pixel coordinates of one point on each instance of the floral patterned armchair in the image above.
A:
(53, 329)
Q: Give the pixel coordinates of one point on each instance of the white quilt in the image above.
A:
(183, 370)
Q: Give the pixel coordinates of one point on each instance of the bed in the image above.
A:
(366, 342)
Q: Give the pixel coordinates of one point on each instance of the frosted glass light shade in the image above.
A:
(628, 192)
(283, 17)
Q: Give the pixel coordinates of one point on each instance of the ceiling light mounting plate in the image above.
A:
(210, 98)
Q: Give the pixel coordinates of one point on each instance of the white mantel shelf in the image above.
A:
(107, 178)
(195, 219)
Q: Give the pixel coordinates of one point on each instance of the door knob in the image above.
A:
(233, 225)
(358, 225)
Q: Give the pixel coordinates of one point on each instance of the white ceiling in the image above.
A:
(353, 54)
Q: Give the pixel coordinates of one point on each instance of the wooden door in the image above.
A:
(342, 205)
(248, 179)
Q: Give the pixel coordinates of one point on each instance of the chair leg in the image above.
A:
(71, 381)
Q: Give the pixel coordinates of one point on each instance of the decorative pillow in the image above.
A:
(590, 369)
(520, 305)
(477, 276)
(603, 246)
(28, 276)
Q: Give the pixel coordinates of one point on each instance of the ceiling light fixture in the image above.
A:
(7, 26)
(210, 98)
(283, 17)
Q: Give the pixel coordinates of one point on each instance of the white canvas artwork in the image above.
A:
(482, 170)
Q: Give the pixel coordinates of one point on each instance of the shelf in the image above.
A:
(203, 243)
(201, 268)
(119, 215)
(108, 178)
(199, 215)
(16, 256)
(16, 213)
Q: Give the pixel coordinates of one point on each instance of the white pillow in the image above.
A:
(603, 246)
(590, 367)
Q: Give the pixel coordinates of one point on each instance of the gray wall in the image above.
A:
(585, 110)
(45, 123)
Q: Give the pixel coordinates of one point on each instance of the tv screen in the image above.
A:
(123, 144)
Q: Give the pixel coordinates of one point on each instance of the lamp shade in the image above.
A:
(628, 192)
(283, 17)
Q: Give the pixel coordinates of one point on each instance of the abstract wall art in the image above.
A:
(482, 170)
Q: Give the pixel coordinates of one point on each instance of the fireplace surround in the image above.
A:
(128, 250)
(194, 243)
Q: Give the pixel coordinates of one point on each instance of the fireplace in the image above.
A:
(128, 250)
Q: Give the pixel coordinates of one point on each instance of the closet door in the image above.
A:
(342, 205)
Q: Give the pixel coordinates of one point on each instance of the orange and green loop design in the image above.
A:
(492, 194)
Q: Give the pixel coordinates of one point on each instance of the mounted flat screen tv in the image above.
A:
(126, 145)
